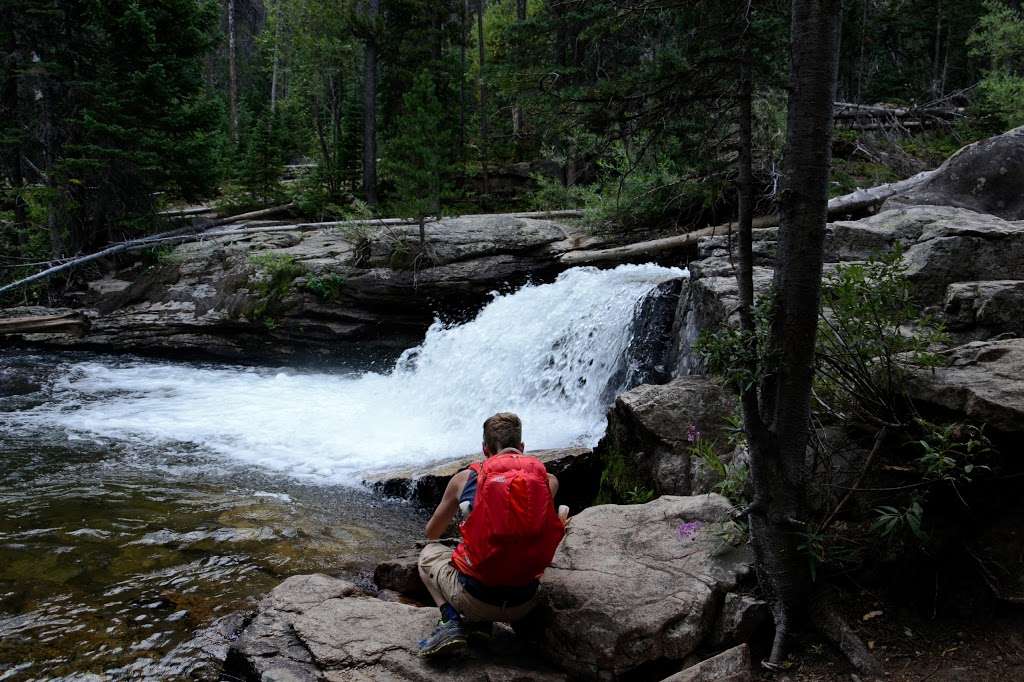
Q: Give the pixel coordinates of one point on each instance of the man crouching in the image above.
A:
(508, 538)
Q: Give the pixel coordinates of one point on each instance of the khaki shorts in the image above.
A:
(436, 566)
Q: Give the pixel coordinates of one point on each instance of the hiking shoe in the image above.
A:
(447, 638)
(479, 634)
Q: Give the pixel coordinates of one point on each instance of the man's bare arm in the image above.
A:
(445, 511)
(553, 484)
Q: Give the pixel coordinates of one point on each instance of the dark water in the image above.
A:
(127, 561)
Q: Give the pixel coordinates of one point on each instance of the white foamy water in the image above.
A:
(546, 352)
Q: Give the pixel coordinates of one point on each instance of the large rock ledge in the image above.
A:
(633, 586)
(314, 627)
(983, 381)
(632, 591)
(319, 291)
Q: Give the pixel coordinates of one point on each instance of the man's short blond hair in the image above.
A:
(503, 430)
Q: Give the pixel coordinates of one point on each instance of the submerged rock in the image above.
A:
(638, 585)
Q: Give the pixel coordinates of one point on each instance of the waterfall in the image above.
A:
(547, 352)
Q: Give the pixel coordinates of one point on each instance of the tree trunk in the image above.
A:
(462, 84)
(232, 73)
(779, 432)
(517, 110)
(370, 110)
(276, 57)
(485, 132)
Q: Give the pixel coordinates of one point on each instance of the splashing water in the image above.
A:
(546, 352)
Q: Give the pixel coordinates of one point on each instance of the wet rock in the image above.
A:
(647, 442)
(732, 665)
(401, 575)
(577, 471)
(318, 628)
(18, 381)
(707, 303)
(981, 310)
(648, 357)
(982, 381)
(636, 585)
(986, 177)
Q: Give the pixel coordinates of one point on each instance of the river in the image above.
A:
(142, 501)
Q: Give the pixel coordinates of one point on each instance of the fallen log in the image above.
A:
(66, 323)
(855, 202)
(654, 247)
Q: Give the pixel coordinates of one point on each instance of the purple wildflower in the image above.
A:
(692, 434)
(687, 532)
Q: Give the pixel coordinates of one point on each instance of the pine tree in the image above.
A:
(261, 166)
(416, 154)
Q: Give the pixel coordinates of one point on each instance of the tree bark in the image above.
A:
(778, 441)
(370, 109)
(232, 73)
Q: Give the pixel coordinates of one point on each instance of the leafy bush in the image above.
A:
(871, 335)
(276, 273)
(552, 195)
(327, 288)
(999, 39)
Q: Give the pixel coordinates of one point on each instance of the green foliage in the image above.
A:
(871, 335)
(416, 155)
(741, 359)
(552, 195)
(952, 453)
(897, 525)
(732, 478)
(276, 274)
(999, 41)
(850, 174)
(638, 495)
(262, 164)
(814, 546)
(619, 484)
(115, 110)
(327, 288)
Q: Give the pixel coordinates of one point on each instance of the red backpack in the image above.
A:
(513, 530)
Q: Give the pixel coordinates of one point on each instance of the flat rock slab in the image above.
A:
(316, 627)
(639, 584)
(983, 380)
